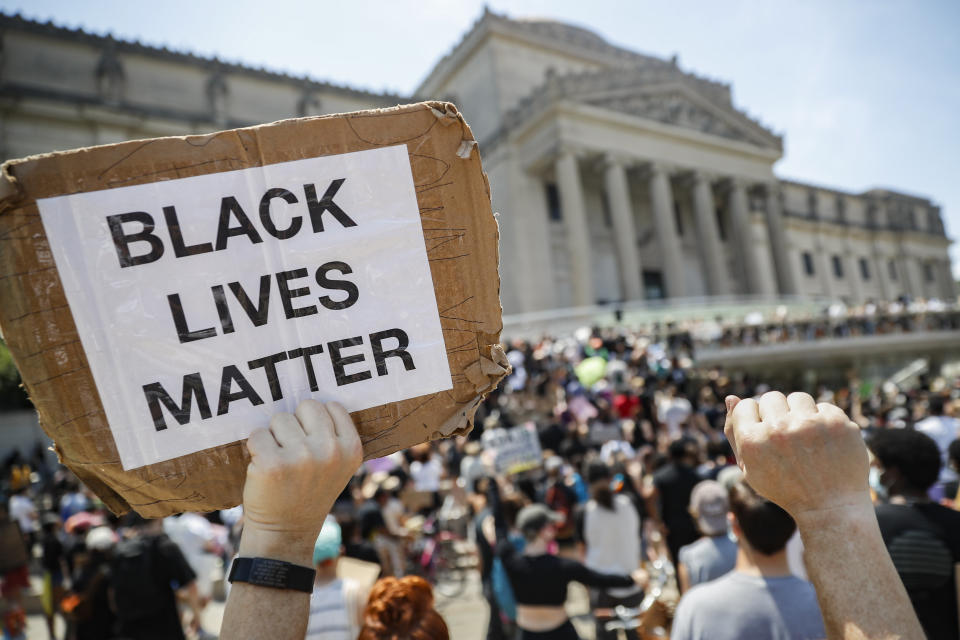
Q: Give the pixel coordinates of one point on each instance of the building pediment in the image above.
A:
(679, 106)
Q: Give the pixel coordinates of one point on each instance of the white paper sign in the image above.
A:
(516, 449)
(207, 304)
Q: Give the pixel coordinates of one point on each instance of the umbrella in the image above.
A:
(82, 521)
(591, 370)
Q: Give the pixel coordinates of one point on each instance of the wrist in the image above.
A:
(853, 513)
(290, 546)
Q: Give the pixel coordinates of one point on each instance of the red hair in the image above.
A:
(402, 609)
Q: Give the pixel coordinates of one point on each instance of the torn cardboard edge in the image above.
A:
(453, 196)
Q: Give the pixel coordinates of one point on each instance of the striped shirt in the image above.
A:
(334, 611)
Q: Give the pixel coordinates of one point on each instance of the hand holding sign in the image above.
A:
(804, 456)
(298, 468)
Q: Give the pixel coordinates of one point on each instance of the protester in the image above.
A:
(672, 486)
(90, 612)
(540, 579)
(336, 604)
(923, 537)
(760, 599)
(714, 554)
(402, 609)
(943, 429)
(610, 521)
(53, 561)
(146, 572)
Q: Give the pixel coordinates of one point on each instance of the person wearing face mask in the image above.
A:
(922, 537)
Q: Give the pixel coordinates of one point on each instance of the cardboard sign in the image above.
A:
(516, 449)
(207, 304)
(162, 298)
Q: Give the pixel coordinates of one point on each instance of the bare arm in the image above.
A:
(811, 460)
(297, 469)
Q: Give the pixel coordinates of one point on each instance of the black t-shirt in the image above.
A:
(675, 483)
(172, 572)
(53, 554)
(924, 542)
(542, 580)
(370, 518)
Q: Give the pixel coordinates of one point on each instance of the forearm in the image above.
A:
(264, 612)
(860, 593)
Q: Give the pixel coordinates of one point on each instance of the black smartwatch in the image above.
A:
(277, 574)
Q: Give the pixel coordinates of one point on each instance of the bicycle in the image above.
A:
(649, 620)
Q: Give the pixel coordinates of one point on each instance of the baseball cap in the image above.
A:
(328, 542)
(533, 518)
(710, 502)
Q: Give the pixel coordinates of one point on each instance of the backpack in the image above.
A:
(138, 590)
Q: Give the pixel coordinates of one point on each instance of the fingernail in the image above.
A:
(731, 402)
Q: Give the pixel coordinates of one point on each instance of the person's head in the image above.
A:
(936, 404)
(904, 461)
(599, 478)
(553, 466)
(402, 609)
(538, 523)
(327, 548)
(953, 455)
(478, 497)
(709, 506)
(683, 450)
(764, 526)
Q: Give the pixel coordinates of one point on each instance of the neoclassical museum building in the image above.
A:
(617, 176)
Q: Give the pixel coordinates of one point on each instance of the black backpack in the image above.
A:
(135, 574)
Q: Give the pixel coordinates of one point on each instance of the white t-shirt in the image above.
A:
(943, 430)
(426, 475)
(24, 512)
(673, 412)
(613, 540)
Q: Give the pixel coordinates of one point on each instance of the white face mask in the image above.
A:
(877, 485)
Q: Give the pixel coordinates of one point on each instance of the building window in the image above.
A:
(841, 209)
(653, 288)
(812, 204)
(553, 203)
(864, 269)
(928, 273)
(892, 269)
(838, 267)
(807, 263)
(678, 216)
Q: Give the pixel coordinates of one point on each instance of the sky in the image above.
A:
(866, 94)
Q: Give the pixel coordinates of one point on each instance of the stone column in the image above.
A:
(786, 267)
(575, 222)
(624, 231)
(661, 202)
(881, 273)
(743, 235)
(825, 267)
(852, 271)
(708, 233)
(949, 284)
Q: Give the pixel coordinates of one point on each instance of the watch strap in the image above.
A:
(266, 572)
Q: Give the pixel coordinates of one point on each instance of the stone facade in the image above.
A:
(619, 176)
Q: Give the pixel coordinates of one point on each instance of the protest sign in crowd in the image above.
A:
(606, 448)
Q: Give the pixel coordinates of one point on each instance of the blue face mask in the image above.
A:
(877, 485)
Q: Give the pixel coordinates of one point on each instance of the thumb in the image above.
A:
(731, 402)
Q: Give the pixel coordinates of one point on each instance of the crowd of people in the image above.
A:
(635, 492)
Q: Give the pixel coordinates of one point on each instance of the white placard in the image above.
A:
(253, 290)
(516, 449)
